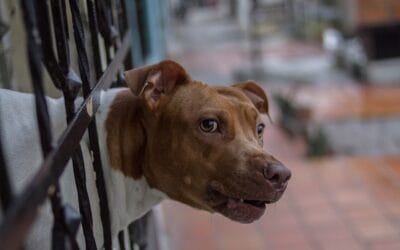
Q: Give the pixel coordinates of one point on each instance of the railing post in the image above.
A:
(70, 85)
(6, 191)
(35, 56)
(92, 129)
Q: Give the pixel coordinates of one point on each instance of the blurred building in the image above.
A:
(375, 25)
(356, 13)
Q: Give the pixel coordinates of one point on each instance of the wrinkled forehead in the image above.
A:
(237, 101)
(202, 98)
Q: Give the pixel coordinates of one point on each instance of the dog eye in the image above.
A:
(260, 129)
(209, 125)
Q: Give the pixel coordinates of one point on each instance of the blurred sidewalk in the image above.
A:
(337, 202)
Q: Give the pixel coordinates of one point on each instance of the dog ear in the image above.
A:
(256, 94)
(153, 82)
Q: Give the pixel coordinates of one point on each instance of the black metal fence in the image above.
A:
(48, 45)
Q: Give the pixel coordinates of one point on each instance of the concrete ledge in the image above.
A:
(360, 136)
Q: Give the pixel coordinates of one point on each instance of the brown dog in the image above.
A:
(199, 145)
(166, 136)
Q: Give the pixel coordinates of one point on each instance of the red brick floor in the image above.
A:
(335, 203)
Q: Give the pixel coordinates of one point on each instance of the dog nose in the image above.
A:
(277, 174)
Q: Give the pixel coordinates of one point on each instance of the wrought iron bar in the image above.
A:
(35, 55)
(106, 26)
(6, 192)
(49, 59)
(92, 129)
(70, 87)
(17, 220)
(94, 31)
(121, 240)
(61, 34)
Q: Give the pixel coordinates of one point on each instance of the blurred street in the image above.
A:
(346, 198)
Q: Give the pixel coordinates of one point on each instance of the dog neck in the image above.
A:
(126, 134)
(123, 141)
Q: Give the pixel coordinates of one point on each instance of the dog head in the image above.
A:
(204, 145)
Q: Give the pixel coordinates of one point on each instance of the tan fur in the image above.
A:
(157, 135)
(126, 136)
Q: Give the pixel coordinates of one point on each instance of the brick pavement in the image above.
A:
(336, 203)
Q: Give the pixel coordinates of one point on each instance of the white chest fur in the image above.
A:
(128, 199)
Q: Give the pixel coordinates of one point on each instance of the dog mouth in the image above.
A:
(238, 209)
